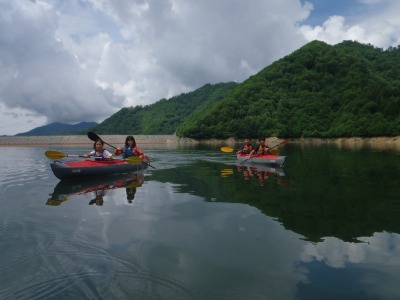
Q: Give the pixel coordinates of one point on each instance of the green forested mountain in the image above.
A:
(349, 89)
(164, 116)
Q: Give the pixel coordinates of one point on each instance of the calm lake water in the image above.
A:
(197, 226)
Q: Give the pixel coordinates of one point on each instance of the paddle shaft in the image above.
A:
(281, 143)
(249, 158)
(148, 164)
(54, 154)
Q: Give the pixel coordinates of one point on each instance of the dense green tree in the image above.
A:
(165, 115)
(349, 89)
(317, 91)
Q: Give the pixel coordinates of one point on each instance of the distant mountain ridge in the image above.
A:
(59, 129)
(322, 91)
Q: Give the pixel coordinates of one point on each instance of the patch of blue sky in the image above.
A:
(323, 9)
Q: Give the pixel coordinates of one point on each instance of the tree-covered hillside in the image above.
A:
(349, 89)
(164, 116)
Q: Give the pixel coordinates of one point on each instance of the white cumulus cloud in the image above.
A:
(73, 61)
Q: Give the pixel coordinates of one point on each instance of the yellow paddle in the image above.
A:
(227, 149)
(54, 154)
(133, 160)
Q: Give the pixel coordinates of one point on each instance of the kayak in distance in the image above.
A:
(262, 159)
(87, 168)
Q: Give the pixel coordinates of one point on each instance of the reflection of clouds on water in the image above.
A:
(376, 255)
(206, 247)
(217, 252)
(334, 252)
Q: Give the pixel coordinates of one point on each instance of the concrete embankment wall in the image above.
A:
(85, 141)
(379, 143)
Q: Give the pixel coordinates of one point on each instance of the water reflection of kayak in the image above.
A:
(263, 168)
(67, 188)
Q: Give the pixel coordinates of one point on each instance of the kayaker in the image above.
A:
(99, 153)
(130, 148)
(260, 149)
(246, 148)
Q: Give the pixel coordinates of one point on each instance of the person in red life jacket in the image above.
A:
(130, 148)
(260, 149)
(246, 148)
(99, 153)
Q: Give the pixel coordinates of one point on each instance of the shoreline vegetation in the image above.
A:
(376, 143)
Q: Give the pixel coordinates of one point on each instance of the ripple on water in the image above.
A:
(22, 170)
(43, 263)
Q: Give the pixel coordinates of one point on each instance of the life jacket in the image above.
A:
(247, 149)
(128, 151)
(100, 157)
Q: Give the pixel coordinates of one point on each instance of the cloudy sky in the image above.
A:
(83, 60)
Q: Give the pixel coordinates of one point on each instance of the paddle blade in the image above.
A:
(93, 136)
(280, 144)
(283, 142)
(274, 151)
(247, 159)
(133, 160)
(227, 149)
(54, 154)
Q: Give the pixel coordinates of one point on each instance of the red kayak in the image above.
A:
(85, 168)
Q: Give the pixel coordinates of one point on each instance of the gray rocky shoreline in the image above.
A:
(74, 140)
(379, 143)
